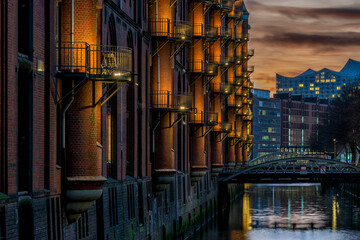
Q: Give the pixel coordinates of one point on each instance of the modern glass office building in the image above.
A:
(266, 123)
(323, 84)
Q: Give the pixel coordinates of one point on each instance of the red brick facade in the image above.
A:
(98, 135)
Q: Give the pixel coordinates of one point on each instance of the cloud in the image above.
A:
(293, 12)
(320, 39)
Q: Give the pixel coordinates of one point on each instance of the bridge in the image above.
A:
(283, 167)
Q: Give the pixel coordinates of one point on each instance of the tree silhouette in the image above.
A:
(343, 125)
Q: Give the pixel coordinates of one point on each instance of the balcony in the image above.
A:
(248, 84)
(236, 14)
(163, 28)
(223, 88)
(248, 118)
(227, 5)
(238, 60)
(201, 67)
(204, 118)
(226, 32)
(234, 103)
(176, 102)
(246, 73)
(226, 61)
(250, 139)
(224, 127)
(248, 101)
(247, 55)
(210, 2)
(245, 36)
(235, 134)
(209, 33)
(96, 62)
(244, 113)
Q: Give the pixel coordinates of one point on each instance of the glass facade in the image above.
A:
(323, 84)
(266, 124)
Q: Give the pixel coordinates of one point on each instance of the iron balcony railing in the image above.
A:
(211, 32)
(234, 103)
(99, 62)
(227, 5)
(244, 112)
(250, 139)
(245, 36)
(248, 84)
(247, 55)
(226, 32)
(175, 30)
(224, 127)
(205, 118)
(223, 88)
(248, 101)
(236, 13)
(223, 60)
(197, 66)
(238, 60)
(248, 118)
(178, 102)
(201, 67)
(235, 134)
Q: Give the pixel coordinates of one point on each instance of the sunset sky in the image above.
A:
(290, 36)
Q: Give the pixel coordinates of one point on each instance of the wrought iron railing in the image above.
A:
(237, 134)
(211, 68)
(236, 13)
(204, 118)
(227, 5)
(248, 101)
(234, 102)
(196, 66)
(201, 67)
(180, 101)
(97, 61)
(211, 32)
(225, 127)
(248, 84)
(226, 32)
(224, 88)
(177, 30)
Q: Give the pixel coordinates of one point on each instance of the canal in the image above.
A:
(287, 212)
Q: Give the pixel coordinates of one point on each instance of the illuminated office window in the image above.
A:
(317, 92)
(291, 89)
(301, 85)
(333, 95)
(322, 80)
(317, 88)
(327, 80)
(311, 85)
(338, 88)
(311, 89)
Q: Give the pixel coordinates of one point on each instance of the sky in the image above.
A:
(290, 36)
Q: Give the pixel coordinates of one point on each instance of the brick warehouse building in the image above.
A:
(117, 116)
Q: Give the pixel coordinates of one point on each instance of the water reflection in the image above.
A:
(306, 211)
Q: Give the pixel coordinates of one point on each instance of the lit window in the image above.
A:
(317, 92)
(301, 85)
(317, 88)
(333, 95)
(311, 85)
(333, 80)
(322, 80)
(317, 80)
(291, 89)
(322, 73)
(280, 89)
(338, 95)
(327, 80)
(338, 88)
(311, 89)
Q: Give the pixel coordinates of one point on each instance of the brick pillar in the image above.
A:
(198, 162)
(230, 159)
(83, 155)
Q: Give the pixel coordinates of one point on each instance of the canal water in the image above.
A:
(287, 212)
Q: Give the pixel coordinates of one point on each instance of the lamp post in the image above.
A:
(334, 140)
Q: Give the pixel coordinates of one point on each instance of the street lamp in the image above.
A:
(334, 140)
